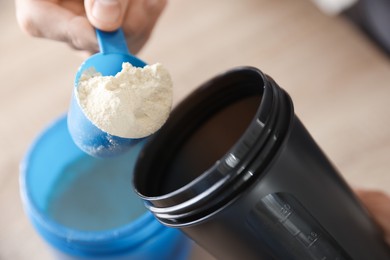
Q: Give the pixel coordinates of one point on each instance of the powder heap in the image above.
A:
(134, 103)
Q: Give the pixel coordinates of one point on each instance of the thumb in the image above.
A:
(106, 15)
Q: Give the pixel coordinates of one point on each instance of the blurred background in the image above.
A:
(329, 58)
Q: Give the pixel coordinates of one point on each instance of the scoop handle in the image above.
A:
(112, 42)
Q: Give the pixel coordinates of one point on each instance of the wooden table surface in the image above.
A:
(339, 82)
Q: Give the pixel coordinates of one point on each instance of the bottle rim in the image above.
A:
(237, 168)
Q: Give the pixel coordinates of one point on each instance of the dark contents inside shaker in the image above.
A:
(208, 143)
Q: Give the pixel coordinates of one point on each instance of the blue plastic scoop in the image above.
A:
(87, 136)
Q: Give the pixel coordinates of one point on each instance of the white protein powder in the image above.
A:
(134, 103)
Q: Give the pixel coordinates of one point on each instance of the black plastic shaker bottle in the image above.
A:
(235, 169)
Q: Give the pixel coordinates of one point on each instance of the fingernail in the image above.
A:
(107, 11)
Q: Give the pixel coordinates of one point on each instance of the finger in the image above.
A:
(48, 20)
(106, 15)
(378, 203)
(141, 17)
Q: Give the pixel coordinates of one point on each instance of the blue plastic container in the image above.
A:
(68, 194)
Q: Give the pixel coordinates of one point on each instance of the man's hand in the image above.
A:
(73, 21)
(378, 203)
